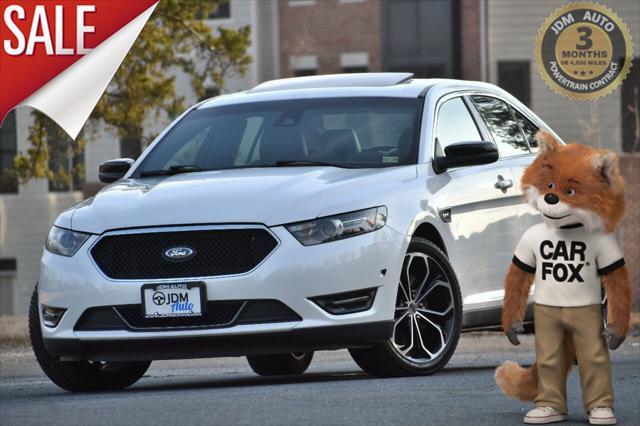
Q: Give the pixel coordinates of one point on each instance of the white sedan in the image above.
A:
(374, 212)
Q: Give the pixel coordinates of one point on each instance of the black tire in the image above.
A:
(280, 364)
(80, 376)
(384, 359)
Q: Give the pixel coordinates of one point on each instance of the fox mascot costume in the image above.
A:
(569, 257)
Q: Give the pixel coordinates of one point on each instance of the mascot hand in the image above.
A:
(513, 331)
(612, 338)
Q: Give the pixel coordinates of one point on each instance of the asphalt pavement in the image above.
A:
(333, 392)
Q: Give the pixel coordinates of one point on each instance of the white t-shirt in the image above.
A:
(567, 263)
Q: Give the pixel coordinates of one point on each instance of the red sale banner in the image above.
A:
(58, 56)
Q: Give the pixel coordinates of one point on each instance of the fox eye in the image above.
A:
(571, 192)
(551, 185)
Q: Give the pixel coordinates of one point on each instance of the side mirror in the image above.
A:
(466, 154)
(112, 170)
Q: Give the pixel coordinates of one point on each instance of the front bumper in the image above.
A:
(297, 340)
(291, 274)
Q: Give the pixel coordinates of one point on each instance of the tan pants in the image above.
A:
(585, 325)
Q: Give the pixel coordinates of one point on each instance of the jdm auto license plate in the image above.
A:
(173, 300)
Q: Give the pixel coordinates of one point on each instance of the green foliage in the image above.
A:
(174, 40)
(47, 140)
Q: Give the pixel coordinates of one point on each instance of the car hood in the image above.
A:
(271, 196)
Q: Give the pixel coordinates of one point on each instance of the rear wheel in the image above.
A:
(427, 318)
(280, 364)
(78, 376)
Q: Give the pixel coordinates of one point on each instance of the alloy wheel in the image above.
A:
(425, 312)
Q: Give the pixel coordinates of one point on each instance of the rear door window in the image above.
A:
(501, 122)
(529, 130)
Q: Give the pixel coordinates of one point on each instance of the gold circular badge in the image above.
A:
(583, 51)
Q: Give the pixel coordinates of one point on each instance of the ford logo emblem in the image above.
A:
(176, 254)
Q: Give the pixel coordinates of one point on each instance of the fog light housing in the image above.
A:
(51, 316)
(346, 303)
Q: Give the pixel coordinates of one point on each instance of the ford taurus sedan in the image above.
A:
(373, 212)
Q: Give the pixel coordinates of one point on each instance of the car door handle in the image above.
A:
(503, 184)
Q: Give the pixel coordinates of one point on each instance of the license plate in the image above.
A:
(173, 300)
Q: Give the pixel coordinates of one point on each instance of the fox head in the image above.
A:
(575, 184)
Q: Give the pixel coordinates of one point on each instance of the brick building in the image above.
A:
(328, 37)
(431, 38)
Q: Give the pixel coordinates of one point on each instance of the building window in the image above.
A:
(631, 109)
(421, 37)
(301, 2)
(8, 269)
(8, 151)
(210, 92)
(303, 65)
(354, 62)
(222, 11)
(69, 171)
(66, 160)
(513, 76)
(305, 73)
(350, 70)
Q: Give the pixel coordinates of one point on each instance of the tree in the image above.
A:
(174, 40)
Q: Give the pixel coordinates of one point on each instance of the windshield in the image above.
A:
(342, 132)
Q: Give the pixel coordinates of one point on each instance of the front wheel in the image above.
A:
(280, 364)
(78, 376)
(427, 319)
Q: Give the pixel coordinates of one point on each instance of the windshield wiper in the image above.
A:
(302, 163)
(173, 170)
(185, 168)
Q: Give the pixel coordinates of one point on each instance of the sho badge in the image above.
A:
(583, 51)
(178, 253)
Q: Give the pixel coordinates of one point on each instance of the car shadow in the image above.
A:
(146, 383)
(457, 370)
(190, 383)
(164, 383)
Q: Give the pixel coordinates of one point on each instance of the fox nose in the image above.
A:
(551, 198)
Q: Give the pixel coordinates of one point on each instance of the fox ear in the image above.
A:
(606, 164)
(547, 142)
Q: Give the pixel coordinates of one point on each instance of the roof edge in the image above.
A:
(380, 79)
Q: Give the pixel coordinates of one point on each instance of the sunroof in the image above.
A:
(334, 80)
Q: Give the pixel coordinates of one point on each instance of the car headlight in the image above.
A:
(340, 226)
(64, 241)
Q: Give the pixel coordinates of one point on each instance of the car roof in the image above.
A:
(373, 79)
(401, 85)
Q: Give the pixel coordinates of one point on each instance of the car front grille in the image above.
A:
(215, 252)
(218, 314)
